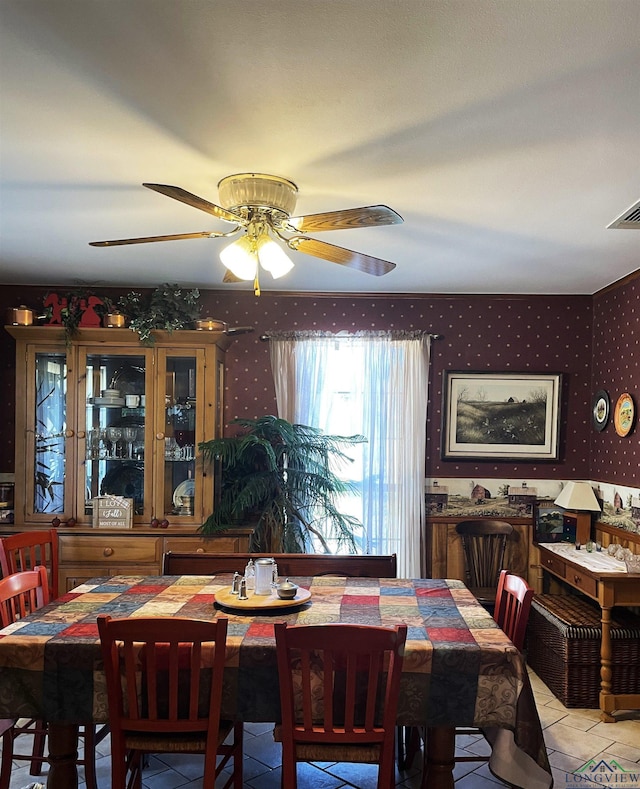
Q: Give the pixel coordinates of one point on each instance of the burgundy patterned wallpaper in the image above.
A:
(505, 333)
(616, 368)
(500, 333)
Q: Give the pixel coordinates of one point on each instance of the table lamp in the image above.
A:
(581, 500)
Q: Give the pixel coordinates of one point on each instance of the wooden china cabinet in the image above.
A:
(105, 415)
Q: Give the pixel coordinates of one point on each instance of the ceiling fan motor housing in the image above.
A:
(256, 190)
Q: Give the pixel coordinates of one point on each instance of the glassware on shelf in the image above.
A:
(171, 449)
(130, 434)
(103, 449)
(185, 439)
(93, 443)
(114, 434)
(138, 448)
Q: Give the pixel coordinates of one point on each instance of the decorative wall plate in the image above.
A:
(624, 414)
(601, 409)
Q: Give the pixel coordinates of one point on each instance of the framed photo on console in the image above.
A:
(551, 523)
(501, 416)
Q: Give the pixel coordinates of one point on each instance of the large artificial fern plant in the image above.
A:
(279, 476)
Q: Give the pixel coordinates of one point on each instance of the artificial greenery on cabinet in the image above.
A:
(168, 308)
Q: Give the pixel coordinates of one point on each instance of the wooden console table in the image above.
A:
(605, 580)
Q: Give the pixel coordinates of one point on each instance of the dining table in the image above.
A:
(459, 668)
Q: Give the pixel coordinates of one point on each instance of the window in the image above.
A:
(374, 384)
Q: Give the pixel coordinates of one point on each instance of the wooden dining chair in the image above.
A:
(511, 613)
(20, 594)
(22, 552)
(339, 688)
(512, 606)
(306, 564)
(484, 543)
(161, 701)
(26, 550)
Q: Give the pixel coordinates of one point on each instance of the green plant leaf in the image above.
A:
(278, 476)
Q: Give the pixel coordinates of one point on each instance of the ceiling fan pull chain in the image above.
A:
(256, 284)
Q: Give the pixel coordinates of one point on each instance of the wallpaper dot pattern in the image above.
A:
(616, 368)
(478, 333)
(497, 333)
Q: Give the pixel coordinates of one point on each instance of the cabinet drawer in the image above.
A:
(581, 581)
(554, 565)
(219, 544)
(107, 549)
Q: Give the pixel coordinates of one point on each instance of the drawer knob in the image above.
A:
(160, 436)
(199, 550)
(68, 433)
(576, 579)
(108, 552)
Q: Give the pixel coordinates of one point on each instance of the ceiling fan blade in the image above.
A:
(196, 202)
(148, 239)
(369, 216)
(345, 257)
(230, 277)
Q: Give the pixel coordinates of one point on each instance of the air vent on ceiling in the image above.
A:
(629, 220)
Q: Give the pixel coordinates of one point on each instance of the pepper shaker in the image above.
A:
(235, 584)
(243, 590)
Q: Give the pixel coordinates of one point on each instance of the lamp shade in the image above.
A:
(240, 258)
(272, 258)
(577, 496)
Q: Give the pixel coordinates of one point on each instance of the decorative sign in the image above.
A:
(112, 512)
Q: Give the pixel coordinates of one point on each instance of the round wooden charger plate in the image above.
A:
(260, 602)
(624, 414)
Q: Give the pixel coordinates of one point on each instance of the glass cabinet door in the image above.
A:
(180, 488)
(47, 434)
(117, 460)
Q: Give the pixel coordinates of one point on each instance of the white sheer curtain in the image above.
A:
(373, 383)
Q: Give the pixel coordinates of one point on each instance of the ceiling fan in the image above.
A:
(260, 207)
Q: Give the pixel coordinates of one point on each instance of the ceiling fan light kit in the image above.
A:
(261, 206)
(256, 190)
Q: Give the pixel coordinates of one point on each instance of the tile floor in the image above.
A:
(572, 738)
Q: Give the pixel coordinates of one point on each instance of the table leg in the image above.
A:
(63, 754)
(440, 747)
(606, 700)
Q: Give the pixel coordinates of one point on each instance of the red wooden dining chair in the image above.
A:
(26, 550)
(512, 607)
(160, 701)
(511, 613)
(22, 552)
(339, 687)
(20, 594)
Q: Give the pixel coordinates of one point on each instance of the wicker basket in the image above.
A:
(563, 648)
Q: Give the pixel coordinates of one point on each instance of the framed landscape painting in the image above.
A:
(501, 416)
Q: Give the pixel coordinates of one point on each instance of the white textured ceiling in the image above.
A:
(505, 133)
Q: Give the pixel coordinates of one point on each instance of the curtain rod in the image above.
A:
(266, 337)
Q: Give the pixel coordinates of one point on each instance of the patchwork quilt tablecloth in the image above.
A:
(459, 667)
